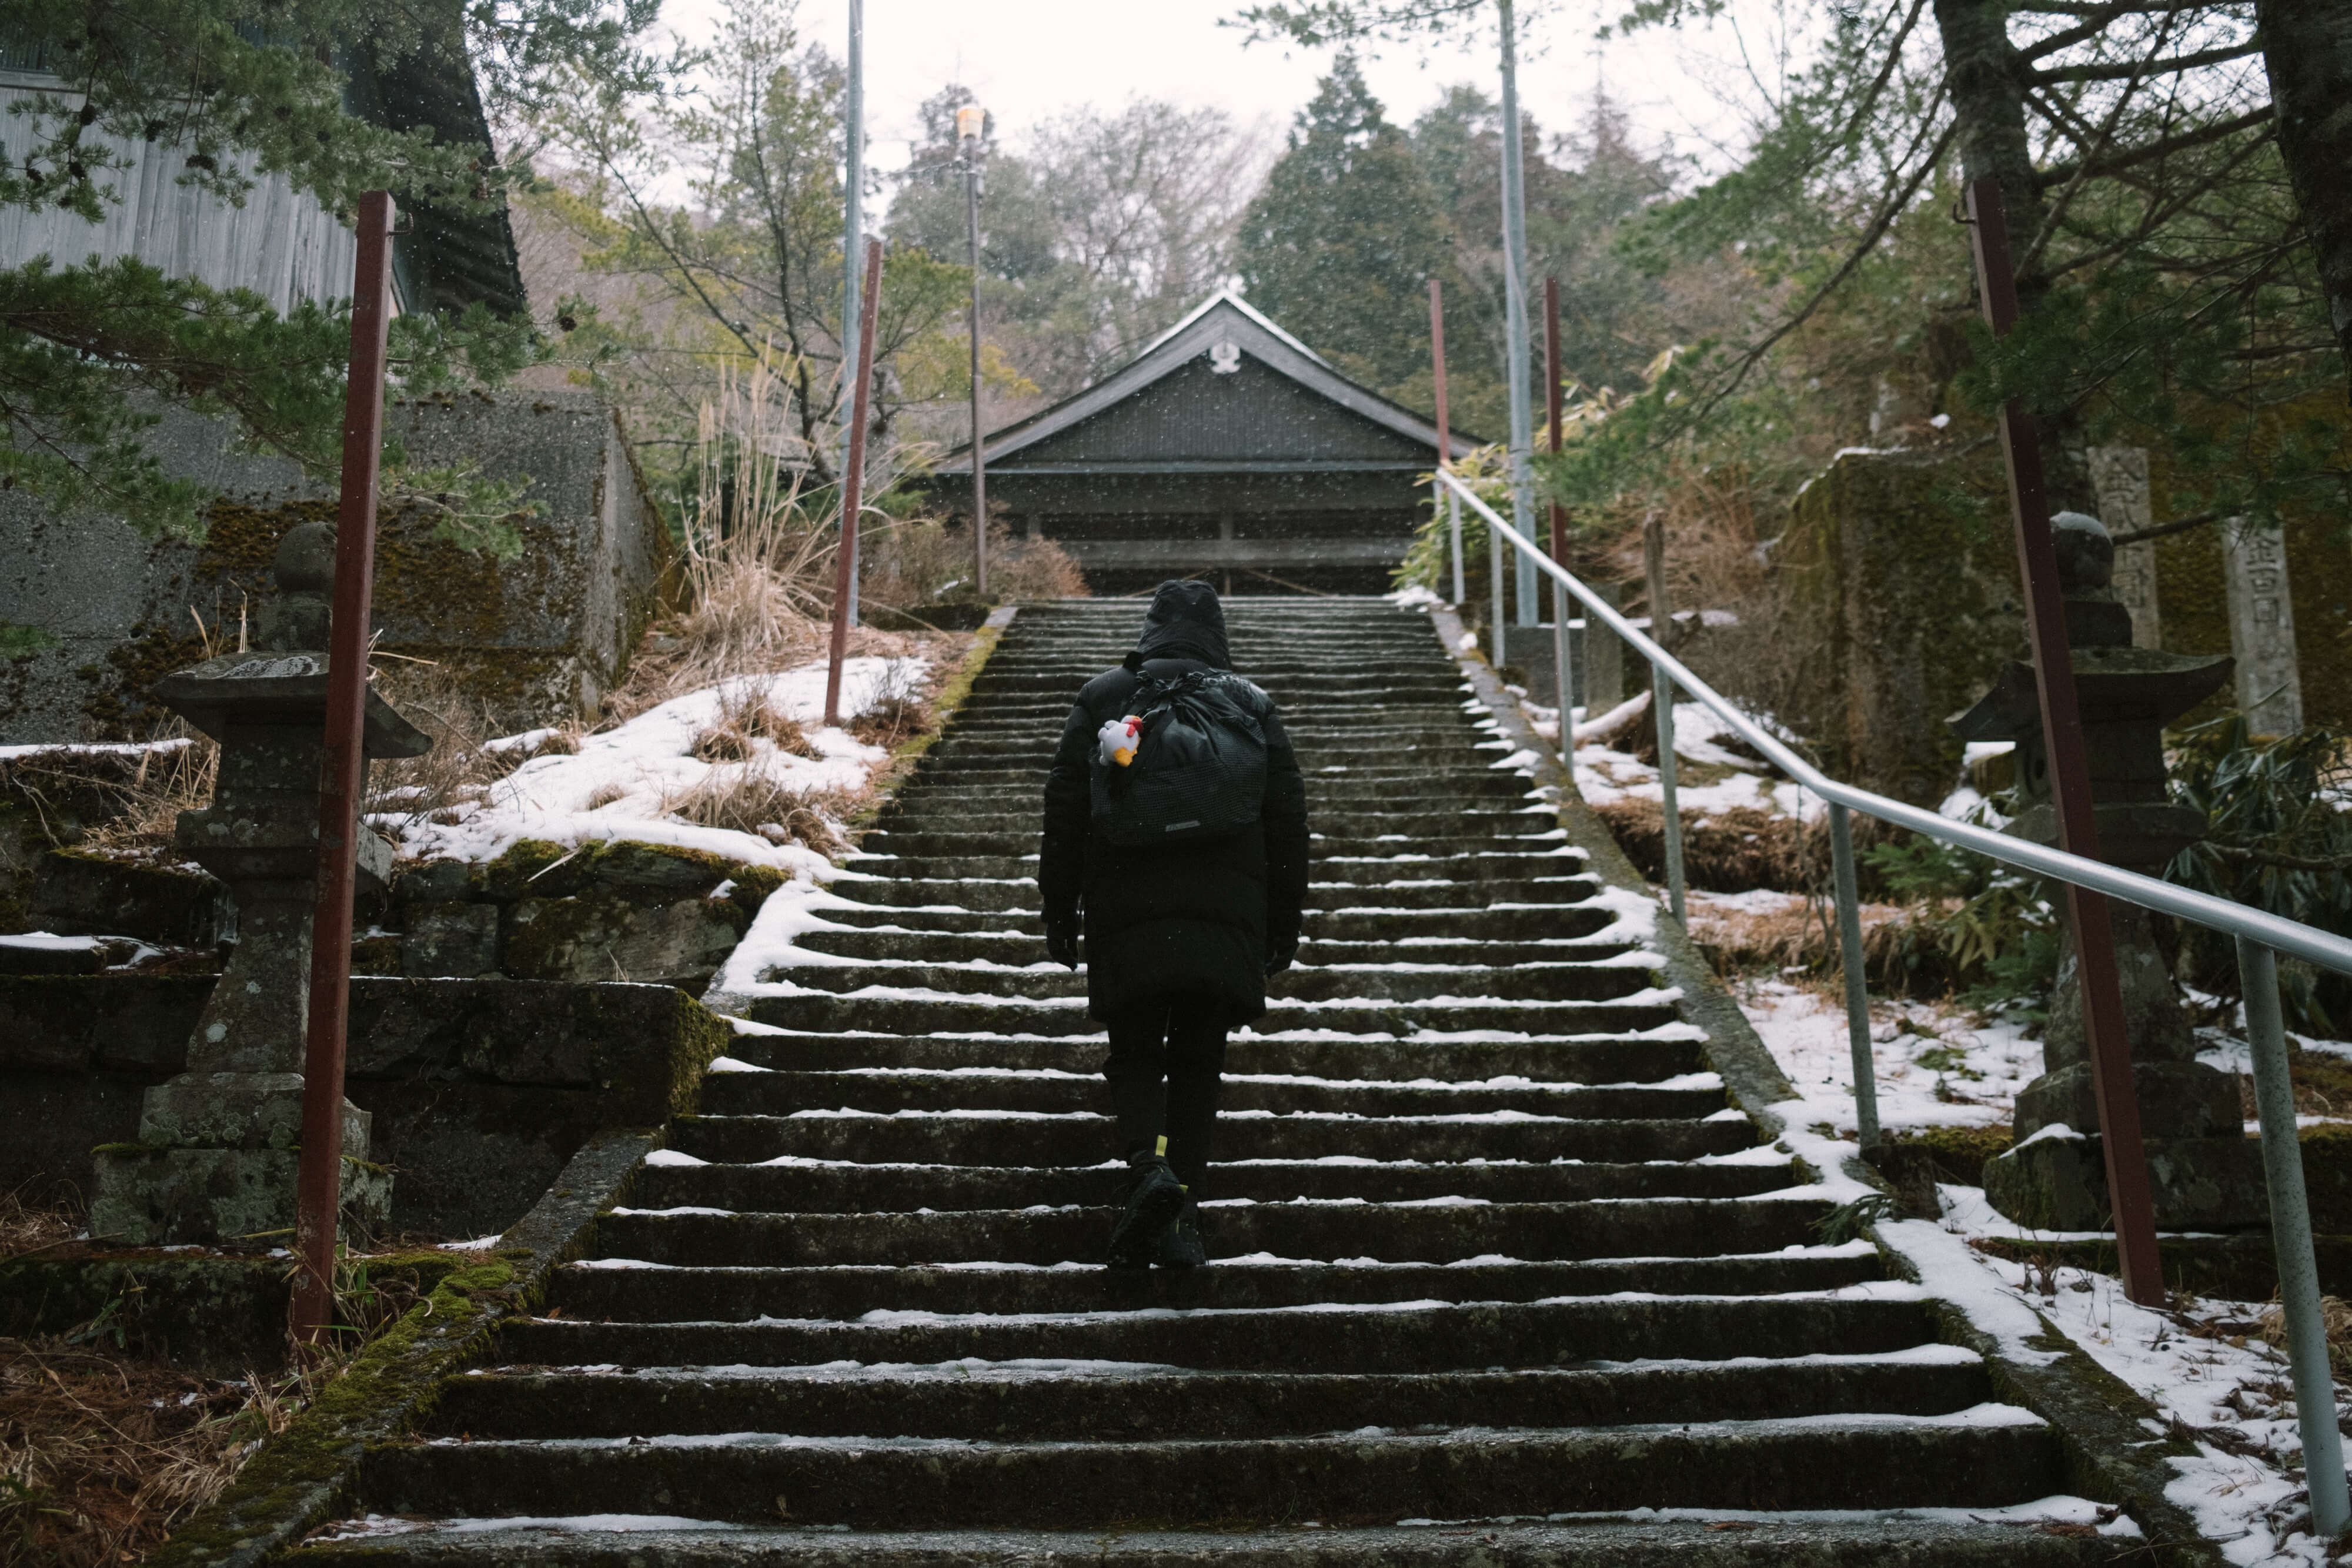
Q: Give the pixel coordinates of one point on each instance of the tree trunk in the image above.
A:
(2307, 44)
(1986, 81)
(1987, 84)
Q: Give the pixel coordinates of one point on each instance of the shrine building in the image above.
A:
(1227, 450)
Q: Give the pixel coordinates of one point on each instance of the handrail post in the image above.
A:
(1564, 675)
(1495, 546)
(1662, 702)
(1857, 984)
(2298, 1270)
(1453, 530)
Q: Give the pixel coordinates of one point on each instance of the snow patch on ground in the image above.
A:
(622, 783)
(2203, 1365)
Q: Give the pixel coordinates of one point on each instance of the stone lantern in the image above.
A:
(2206, 1174)
(219, 1144)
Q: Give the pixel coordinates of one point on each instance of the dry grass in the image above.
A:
(897, 710)
(923, 560)
(2335, 1320)
(454, 775)
(748, 800)
(27, 1228)
(149, 801)
(101, 1455)
(746, 717)
(1728, 851)
(1798, 935)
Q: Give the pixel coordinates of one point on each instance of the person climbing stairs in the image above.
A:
(1494, 1265)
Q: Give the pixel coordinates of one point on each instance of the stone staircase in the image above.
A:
(1491, 1249)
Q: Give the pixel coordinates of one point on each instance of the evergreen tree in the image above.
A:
(1340, 245)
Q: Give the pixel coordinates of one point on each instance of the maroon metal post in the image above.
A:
(1551, 406)
(1437, 363)
(319, 1183)
(853, 477)
(2070, 782)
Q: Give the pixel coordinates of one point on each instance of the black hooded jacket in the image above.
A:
(1197, 919)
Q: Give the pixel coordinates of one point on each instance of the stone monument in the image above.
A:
(219, 1144)
(2206, 1174)
(2262, 625)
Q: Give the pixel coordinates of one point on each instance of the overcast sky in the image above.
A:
(1028, 59)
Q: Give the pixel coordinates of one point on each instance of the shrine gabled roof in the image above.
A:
(1224, 318)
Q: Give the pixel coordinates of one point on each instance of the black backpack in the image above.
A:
(1200, 763)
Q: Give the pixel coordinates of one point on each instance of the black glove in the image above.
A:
(1279, 952)
(1062, 942)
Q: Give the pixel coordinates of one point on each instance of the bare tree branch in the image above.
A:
(2119, 70)
(1879, 225)
(2149, 151)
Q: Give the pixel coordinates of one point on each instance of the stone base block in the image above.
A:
(2177, 1100)
(238, 1111)
(167, 1198)
(2198, 1184)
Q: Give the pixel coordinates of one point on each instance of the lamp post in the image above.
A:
(853, 142)
(970, 120)
(1519, 354)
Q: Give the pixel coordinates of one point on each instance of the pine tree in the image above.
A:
(1340, 244)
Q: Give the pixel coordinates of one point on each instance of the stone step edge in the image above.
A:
(1978, 1538)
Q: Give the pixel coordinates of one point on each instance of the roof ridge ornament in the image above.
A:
(1224, 357)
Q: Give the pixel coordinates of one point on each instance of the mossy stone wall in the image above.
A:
(2193, 598)
(1902, 579)
(480, 1089)
(548, 631)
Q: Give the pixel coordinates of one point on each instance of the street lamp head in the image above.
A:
(970, 119)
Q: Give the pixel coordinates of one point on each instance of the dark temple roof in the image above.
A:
(1102, 428)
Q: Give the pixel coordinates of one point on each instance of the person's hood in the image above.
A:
(1185, 621)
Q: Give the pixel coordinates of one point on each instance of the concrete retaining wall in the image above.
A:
(548, 631)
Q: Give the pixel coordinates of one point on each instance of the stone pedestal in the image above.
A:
(2205, 1173)
(219, 1144)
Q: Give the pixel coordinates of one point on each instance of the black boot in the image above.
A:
(1180, 1247)
(1153, 1201)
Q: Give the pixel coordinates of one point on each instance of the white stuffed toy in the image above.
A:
(1119, 739)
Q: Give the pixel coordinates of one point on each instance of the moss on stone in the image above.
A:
(1901, 565)
(2191, 584)
(754, 883)
(522, 872)
(953, 693)
(700, 1038)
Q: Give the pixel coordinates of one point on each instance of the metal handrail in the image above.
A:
(2261, 937)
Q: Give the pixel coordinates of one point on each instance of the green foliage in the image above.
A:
(1429, 560)
(240, 88)
(1849, 1220)
(2279, 839)
(89, 354)
(1318, 23)
(1987, 927)
(744, 278)
(1340, 242)
(17, 641)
